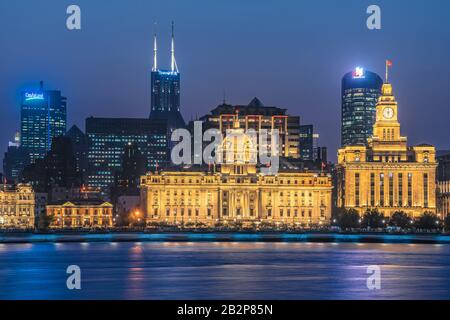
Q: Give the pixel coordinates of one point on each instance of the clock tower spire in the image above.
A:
(386, 129)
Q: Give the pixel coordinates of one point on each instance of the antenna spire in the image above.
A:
(173, 63)
(155, 52)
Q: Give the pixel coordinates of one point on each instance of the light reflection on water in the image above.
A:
(224, 270)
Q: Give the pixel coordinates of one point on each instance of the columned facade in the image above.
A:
(386, 174)
(210, 198)
(80, 214)
(238, 192)
(17, 206)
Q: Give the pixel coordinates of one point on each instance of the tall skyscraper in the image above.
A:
(43, 117)
(80, 145)
(165, 95)
(360, 92)
(109, 136)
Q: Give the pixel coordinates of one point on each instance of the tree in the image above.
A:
(428, 221)
(348, 218)
(400, 219)
(447, 223)
(44, 221)
(373, 219)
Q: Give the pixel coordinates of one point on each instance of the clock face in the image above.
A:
(388, 113)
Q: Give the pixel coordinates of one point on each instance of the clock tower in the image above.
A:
(386, 130)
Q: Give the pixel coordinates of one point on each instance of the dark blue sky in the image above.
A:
(290, 54)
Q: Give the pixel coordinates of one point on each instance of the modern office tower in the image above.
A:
(109, 136)
(387, 174)
(307, 142)
(237, 192)
(165, 94)
(80, 146)
(360, 92)
(127, 179)
(57, 169)
(322, 154)
(443, 170)
(43, 117)
(257, 116)
(15, 160)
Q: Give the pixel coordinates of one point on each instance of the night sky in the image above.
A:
(290, 54)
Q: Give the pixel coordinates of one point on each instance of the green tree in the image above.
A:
(447, 223)
(428, 221)
(348, 218)
(400, 219)
(373, 219)
(44, 221)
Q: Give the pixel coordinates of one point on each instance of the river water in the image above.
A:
(224, 270)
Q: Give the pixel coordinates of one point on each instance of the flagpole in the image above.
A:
(387, 72)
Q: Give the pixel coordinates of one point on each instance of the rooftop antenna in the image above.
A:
(173, 63)
(155, 51)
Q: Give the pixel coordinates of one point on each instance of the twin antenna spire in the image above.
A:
(173, 62)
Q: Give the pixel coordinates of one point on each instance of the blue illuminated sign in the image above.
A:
(33, 96)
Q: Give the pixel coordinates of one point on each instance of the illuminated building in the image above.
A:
(237, 192)
(43, 117)
(443, 183)
(360, 92)
(108, 138)
(443, 198)
(386, 174)
(165, 90)
(257, 116)
(17, 206)
(81, 213)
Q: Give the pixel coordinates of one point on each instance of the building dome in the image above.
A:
(238, 146)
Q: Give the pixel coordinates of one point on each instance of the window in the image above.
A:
(382, 189)
(409, 189)
(357, 189)
(425, 190)
(400, 189)
(391, 189)
(372, 189)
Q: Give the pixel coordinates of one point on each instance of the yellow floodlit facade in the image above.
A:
(386, 174)
(81, 214)
(17, 206)
(236, 192)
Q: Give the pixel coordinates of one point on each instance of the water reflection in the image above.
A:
(224, 270)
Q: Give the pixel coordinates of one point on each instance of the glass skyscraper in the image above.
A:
(43, 117)
(109, 136)
(360, 92)
(165, 91)
(307, 142)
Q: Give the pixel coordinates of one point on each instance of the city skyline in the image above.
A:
(310, 90)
